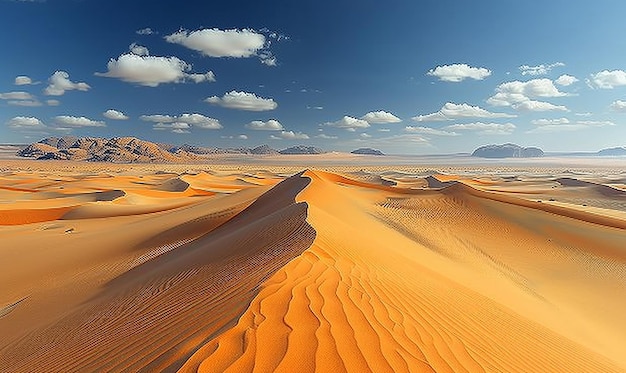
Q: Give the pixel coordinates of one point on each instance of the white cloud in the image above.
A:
(72, 121)
(452, 111)
(548, 122)
(28, 103)
(242, 137)
(145, 31)
(619, 105)
(179, 130)
(182, 121)
(220, 43)
(290, 135)
(587, 114)
(326, 137)
(543, 127)
(566, 80)
(542, 69)
(608, 79)
(139, 50)
(23, 80)
(380, 117)
(365, 135)
(115, 115)
(53, 102)
(349, 123)
(60, 82)
(151, 71)
(532, 105)
(243, 101)
(459, 72)
(158, 118)
(429, 131)
(270, 125)
(315, 107)
(485, 128)
(18, 95)
(200, 121)
(25, 123)
(518, 95)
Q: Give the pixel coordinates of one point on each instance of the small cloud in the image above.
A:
(27, 103)
(587, 114)
(183, 121)
(452, 111)
(542, 69)
(199, 78)
(18, 95)
(180, 131)
(139, 50)
(200, 121)
(290, 135)
(23, 80)
(326, 137)
(429, 131)
(619, 106)
(365, 135)
(459, 72)
(566, 80)
(544, 126)
(270, 125)
(315, 107)
(242, 137)
(60, 82)
(380, 117)
(71, 121)
(349, 123)
(243, 101)
(607, 79)
(25, 123)
(548, 122)
(53, 102)
(145, 31)
(158, 118)
(114, 115)
(383, 130)
(532, 105)
(485, 128)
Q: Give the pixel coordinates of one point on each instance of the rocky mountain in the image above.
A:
(367, 151)
(507, 151)
(263, 149)
(302, 149)
(620, 150)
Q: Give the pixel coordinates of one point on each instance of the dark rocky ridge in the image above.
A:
(367, 151)
(507, 151)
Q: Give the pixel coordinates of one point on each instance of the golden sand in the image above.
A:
(273, 268)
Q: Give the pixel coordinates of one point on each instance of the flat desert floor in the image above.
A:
(352, 265)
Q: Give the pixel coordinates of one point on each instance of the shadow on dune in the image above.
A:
(156, 315)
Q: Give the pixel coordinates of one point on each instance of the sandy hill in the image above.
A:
(222, 270)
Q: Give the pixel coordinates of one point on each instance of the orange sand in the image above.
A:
(119, 268)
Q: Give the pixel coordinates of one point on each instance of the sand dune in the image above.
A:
(355, 270)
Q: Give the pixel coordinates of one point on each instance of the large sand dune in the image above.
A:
(265, 269)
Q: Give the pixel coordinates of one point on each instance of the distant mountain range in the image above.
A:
(507, 151)
(133, 150)
(367, 151)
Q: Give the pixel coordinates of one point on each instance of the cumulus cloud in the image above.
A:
(71, 121)
(380, 117)
(429, 131)
(25, 123)
(542, 69)
(183, 121)
(566, 80)
(458, 72)
(243, 101)
(518, 95)
(224, 43)
(619, 105)
(289, 135)
(326, 137)
(242, 137)
(145, 31)
(114, 115)
(485, 128)
(139, 50)
(452, 111)
(607, 79)
(23, 80)
(548, 122)
(562, 125)
(17, 95)
(151, 71)
(60, 82)
(349, 123)
(270, 125)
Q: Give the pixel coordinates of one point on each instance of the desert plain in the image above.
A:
(322, 263)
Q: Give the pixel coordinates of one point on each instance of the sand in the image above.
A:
(269, 267)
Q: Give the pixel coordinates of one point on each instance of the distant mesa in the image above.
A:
(507, 151)
(263, 149)
(611, 152)
(302, 149)
(367, 151)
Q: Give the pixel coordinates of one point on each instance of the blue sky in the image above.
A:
(406, 77)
